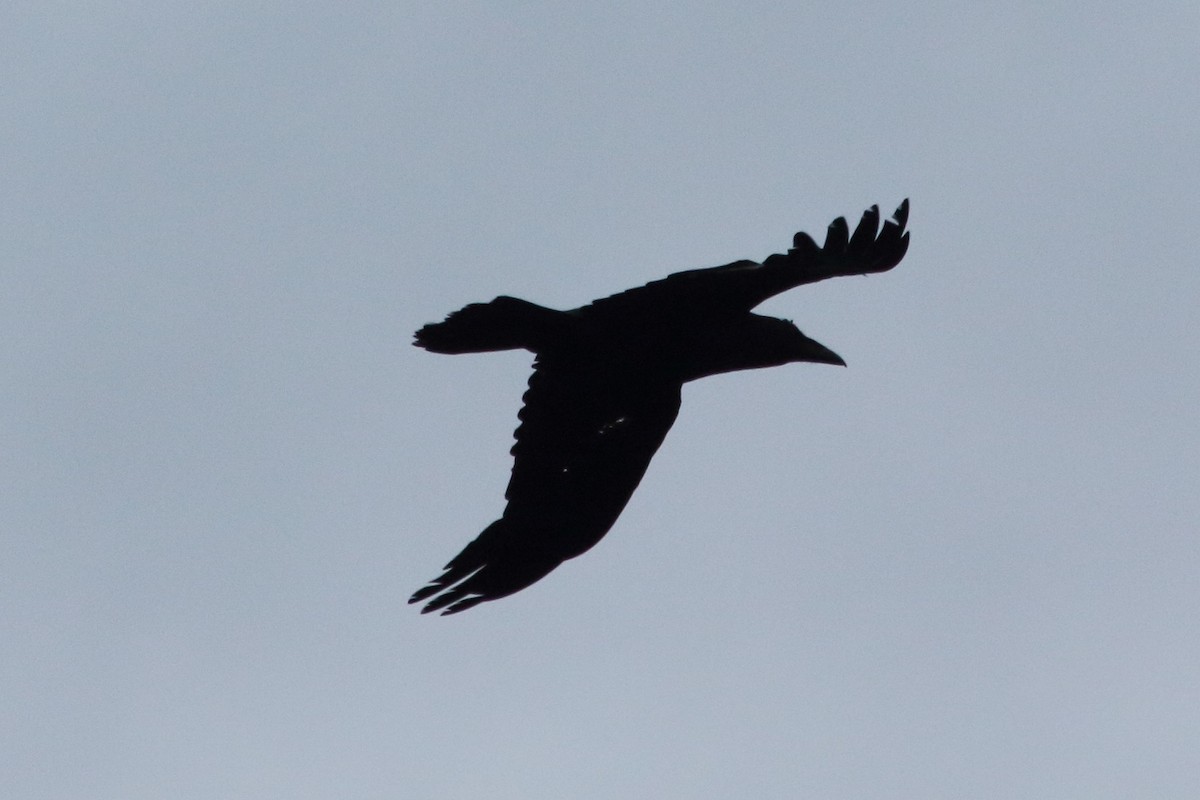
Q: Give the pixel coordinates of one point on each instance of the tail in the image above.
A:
(506, 323)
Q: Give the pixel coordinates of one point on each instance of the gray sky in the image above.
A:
(966, 566)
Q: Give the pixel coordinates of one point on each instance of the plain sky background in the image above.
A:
(967, 566)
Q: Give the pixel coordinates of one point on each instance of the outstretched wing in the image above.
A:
(742, 285)
(583, 445)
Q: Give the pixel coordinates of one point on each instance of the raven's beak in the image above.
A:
(820, 354)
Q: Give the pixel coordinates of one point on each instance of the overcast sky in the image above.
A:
(967, 566)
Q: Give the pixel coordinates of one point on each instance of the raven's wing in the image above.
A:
(742, 285)
(583, 445)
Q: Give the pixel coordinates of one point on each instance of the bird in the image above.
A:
(606, 385)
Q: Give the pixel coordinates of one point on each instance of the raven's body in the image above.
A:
(606, 386)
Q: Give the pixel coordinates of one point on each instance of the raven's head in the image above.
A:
(769, 342)
(753, 342)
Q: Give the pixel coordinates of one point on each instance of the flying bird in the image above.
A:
(606, 388)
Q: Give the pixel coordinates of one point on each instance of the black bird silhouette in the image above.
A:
(605, 390)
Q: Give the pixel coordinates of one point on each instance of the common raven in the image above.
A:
(605, 390)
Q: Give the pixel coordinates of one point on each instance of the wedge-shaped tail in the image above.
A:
(506, 323)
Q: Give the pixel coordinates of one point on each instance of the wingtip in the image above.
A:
(837, 236)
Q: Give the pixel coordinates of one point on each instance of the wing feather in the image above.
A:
(742, 285)
(583, 445)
